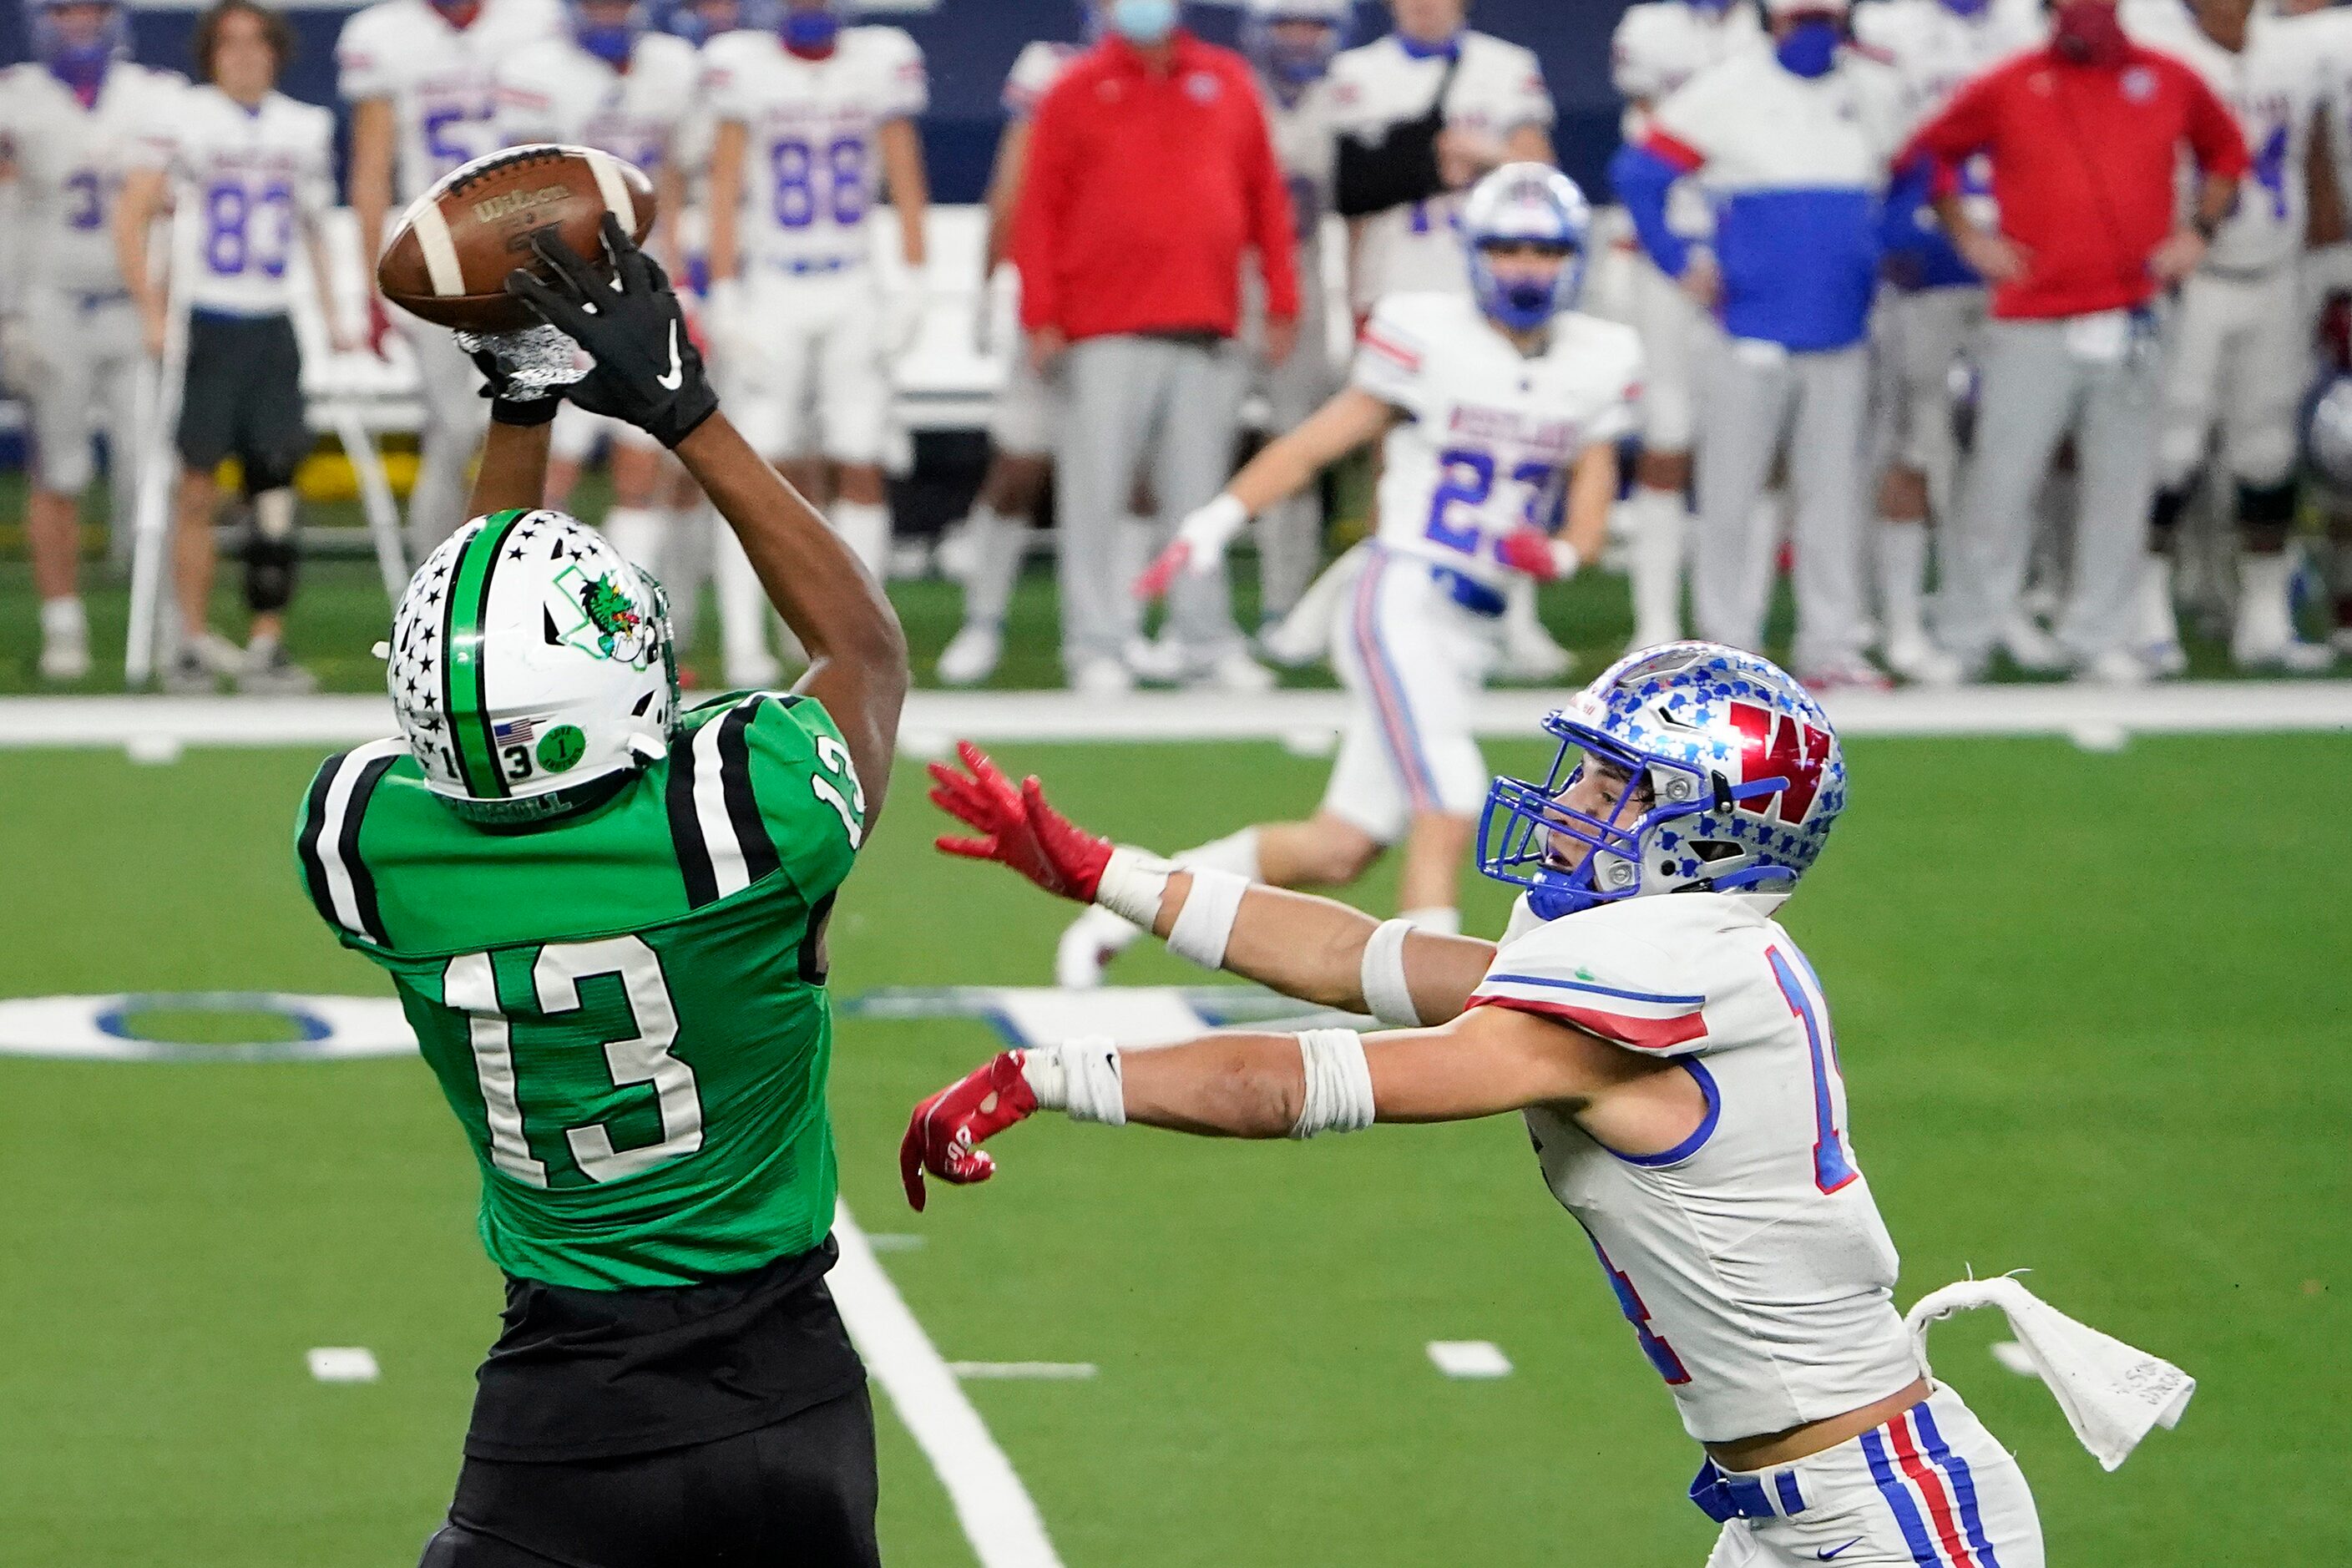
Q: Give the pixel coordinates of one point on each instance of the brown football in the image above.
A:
(449, 261)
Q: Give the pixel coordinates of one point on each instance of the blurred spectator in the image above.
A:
(1792, 146)
(2237, 343)
(1658, 47)
(1929, 313)
(2084, 137)
(1150, 172)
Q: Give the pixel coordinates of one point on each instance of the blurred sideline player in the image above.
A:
(1928, 315)
(1292, 44)
(815, 120)
(2326, 30)
(2237, 350)
(258, 169)
(1658, 46)
(995, 533)
(607, 81)
(1669, 1047)
(1496, 411)
(421, 78)
(1498, 110)
(606, 921)
(69, 334)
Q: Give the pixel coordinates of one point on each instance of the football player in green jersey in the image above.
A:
(606, 919)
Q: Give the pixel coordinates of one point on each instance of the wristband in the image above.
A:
(1382, 977)
(524, 412)
(1131, 885)
(1079, 1078)
(1205, 923)
(1564, 561)
(1338, 1083)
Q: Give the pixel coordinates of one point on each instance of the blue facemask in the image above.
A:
(1810, 48)
(813, 30)
(1969, 8)
(1143, 21)
(610, 45)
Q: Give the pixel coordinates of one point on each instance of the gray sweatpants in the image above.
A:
(1755, 396)
(1124, 398)
(2042, 381)
(455, 416)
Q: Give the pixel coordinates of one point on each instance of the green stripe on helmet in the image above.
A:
(463, 674)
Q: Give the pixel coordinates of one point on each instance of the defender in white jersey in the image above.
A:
(1497, 110)
(607, 81)
(1928, 314)
(1497, 415)
(985, 550)
(1659, 45)
(1292, 44)
(816, 120)
(1669, 1046)
(255, 172)
(2238, 345)
(68, 336)
(421, 78)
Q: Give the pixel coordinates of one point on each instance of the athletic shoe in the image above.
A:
(1233, 671)
(2164, 660)
(1102, 678)
(1920, 661)
(65, 658)
(187, 675)
(2293, 657)
(2117, 666)
(1158, 661)
(218, 654)
(1853, 673)
(973, 655)
(1533, 653)
(1088, 945)
(2031, 649)
(269, 672)
(2342, 641)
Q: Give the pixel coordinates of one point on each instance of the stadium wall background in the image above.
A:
(971, 45)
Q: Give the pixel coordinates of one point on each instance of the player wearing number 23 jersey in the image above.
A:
(606, 923)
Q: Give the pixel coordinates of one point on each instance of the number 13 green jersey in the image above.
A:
(626, 1009)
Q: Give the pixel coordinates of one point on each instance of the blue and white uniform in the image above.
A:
(1488, 440)
(1794, 168)
(1751, 1260)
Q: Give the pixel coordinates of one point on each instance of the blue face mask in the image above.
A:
(1969, 8)
(610, 45)
(1143, 21)
(813, 31)
(1810, 48)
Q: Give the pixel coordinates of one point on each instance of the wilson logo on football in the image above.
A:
(1772, 745)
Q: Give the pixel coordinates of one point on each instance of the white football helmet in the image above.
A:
(531, 669)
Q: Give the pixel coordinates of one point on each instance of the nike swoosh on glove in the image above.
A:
(1016, 828)
(648, 372)
(944, 1136)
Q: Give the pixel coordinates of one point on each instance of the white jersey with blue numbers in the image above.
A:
(813, 162)
(554, 91)
(2273, 85)
(1751, 1260)
(1489, 435)
(69, 163)
(441, 78)
(257, 179)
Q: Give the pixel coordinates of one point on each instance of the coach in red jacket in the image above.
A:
(2084, 137)
(1151, 174)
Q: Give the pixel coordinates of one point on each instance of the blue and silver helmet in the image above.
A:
(610, 41)
(1745, 780)
(1526, 203)
(76, 58)
(1288, 66)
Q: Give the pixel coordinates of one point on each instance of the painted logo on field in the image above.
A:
(204, 1027)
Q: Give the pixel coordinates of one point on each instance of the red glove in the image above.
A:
(1529, 550)
(1156, 579)
(943, 1134)
(378, 325)
(1017, 827)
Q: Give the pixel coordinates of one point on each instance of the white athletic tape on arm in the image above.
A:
(1205, 923)
(1386, 991)
(1132, 884)
(1338, 1083)
(1081, 1078)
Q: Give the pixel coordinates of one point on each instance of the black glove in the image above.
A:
(648, 372)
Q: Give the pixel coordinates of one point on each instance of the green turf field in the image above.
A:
(2091, 1008)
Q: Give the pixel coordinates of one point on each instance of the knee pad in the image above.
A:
(2164, 515)
(268, 474)
(2267, 506)
(270, 553)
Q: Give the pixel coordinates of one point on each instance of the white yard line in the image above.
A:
(990, 1503)
(2098, 715)
(1020, 1371)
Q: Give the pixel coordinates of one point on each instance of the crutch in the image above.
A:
(375, 498)
(159, 402)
